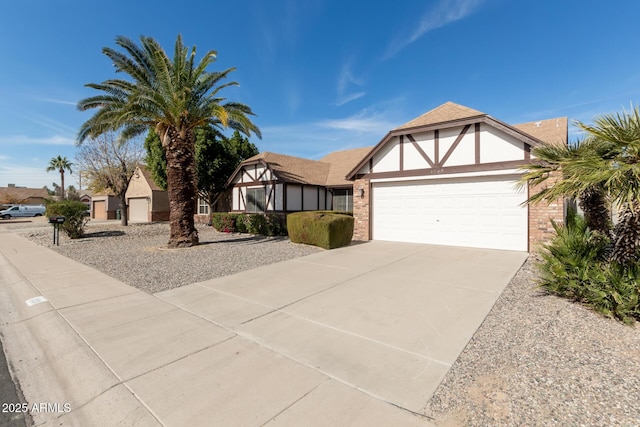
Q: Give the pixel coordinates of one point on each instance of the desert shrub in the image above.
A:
(267, 225)
(74, 213)
(323, 229)
(575, 265)
(241, 223)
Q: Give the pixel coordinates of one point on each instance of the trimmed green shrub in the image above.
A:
(325, 229)
(267, 225)
(574, 265)
(75, 216)
(223, 222)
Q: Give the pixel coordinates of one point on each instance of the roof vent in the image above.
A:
(538, 124)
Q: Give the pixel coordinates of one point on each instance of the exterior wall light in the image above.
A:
(361, 191)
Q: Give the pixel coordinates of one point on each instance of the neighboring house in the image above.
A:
(147, 202)
(104, 206)
(22, 195)
(449, 177)
(85, 197)
(276, 183)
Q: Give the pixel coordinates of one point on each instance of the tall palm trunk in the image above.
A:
(627, 236)
(179, 147)
(62, 195)
(593, 203)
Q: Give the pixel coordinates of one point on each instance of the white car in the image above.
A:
(22, 211)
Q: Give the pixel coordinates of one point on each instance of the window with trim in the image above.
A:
(255, 200)
(203, 207)
(343, 200)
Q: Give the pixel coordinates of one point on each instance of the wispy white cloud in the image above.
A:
(3, 157)
(443, 13)
(29, 140)
(365, 121)
(345, 80)
(57, 101)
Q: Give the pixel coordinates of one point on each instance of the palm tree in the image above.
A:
(172, 97)
(616, 166)
(604, 165)
(557, 160)
(60, 164)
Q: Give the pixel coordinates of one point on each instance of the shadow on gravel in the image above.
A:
(248, 240)
(111, 233)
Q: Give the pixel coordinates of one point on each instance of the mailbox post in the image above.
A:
(56, 221)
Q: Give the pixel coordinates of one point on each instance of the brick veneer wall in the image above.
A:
(541, 214)
(361, 208)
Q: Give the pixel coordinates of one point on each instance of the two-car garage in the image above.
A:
(482, 212)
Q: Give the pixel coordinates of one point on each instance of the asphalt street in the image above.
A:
(11, 410)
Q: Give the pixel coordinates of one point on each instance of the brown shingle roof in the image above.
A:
(341, 163)
(22, 194)
(447, 112)
(551, 130)
(293, 169)
(146, 173)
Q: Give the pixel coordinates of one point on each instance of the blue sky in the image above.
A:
(321, 75)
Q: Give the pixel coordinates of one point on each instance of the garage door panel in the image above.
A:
(138, 210)
(476, 212)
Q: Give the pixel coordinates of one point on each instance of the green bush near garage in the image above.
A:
(75, 217)
(326, 229)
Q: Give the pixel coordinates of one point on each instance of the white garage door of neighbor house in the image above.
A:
(138, 210)
(480, 212)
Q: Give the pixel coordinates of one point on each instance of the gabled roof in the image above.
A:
(341, 163)
(551, 131)
(291, 169)
(447, 112)
(330, 171)
(146, 174)
(451, 114)
(22, 193)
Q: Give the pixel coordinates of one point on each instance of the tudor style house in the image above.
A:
(275, 183)
(448, 177)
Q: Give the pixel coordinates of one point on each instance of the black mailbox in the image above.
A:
(56, 219)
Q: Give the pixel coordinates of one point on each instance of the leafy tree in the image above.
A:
(60, 164)
(217, 157)
(173, 97)
(50, 192)
(109, 164)
(72, 193)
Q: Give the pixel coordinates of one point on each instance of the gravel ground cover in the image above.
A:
(137, 254)
(537, 360)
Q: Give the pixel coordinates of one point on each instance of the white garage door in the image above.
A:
(138, 210)
(481, 212)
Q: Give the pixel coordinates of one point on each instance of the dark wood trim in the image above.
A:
(528, 223)
(318, 201)
(436, 146)
(455, 144)
(271, 192)
(263, 173)
(527, 152)
(476, 132)
(284, 196)
(255, 183)
(243, 200)
(255, 172)
(371, 165)
(420, 150)
(401, 143)
(302, 197)
(483, 118)
(371, 202)
(512, 164)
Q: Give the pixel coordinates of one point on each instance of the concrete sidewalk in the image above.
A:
(357, 336)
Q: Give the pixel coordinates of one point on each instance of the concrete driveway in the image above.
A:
(361, 335)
